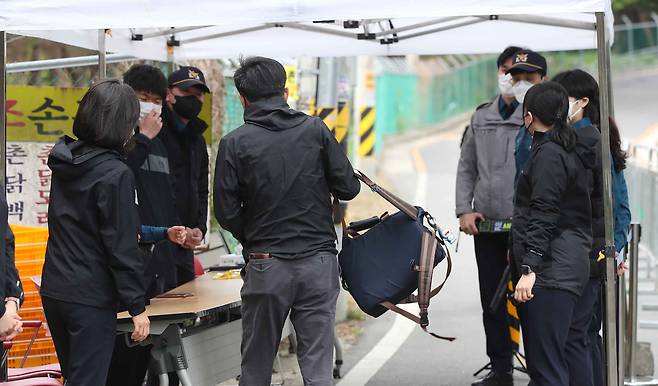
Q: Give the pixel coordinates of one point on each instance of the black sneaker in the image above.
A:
(495, 379)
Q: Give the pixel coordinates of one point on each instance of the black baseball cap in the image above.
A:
(186, 77)
(527, 61)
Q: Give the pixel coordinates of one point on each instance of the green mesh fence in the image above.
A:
(233, 111)
(408, 102)
(637, 38)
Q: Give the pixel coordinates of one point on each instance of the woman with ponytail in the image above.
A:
(585, 346)
(551, 233)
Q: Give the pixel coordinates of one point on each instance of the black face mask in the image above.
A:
(187, 107)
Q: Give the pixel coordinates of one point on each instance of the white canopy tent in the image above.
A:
(225, 29)
(228, 28)
(397, 36)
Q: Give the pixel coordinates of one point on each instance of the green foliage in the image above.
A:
(623, 6)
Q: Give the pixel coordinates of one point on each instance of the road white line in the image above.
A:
(369, 365)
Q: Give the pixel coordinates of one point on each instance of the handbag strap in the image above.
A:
(396, 201)
(414, 319)
(428, 244)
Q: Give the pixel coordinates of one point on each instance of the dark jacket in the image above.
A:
(551, 228)
(92, 256)
(10, 283)
(149, 161)
(4, 263)
(13, 285)
(274, 178)
(591, 137)
(188, 162)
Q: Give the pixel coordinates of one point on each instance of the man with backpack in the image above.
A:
(274, 180)
(484, 197)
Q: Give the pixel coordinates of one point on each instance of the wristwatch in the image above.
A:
(526, 269)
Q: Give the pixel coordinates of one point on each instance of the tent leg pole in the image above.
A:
(609, 320)
(3, 111)
(102, 58)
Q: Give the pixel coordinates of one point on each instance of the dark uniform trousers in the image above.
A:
(307, 289)
(491, 257)
(596, 342)
(84, 339)
(546, 321)
(579, 342)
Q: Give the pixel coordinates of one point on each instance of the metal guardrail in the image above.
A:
(642, 180)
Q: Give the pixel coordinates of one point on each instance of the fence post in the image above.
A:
(629, 33)
(654, 17)
(632, 299)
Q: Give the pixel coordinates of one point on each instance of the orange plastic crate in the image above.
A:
(40, 347)
(32, 314)
(33, 253)
(41, 353)
(33, 360)
(27, 270)
(28, 285)
(29, 235)
(26, 335)
(32, 299)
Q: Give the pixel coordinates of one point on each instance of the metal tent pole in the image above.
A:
(609, 320)
(78, 61)
(3, 112)
(102, 56)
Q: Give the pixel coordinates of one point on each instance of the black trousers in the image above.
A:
(596, 346)
(84, 339)
(491, 257)
(182, 270)
(129, 364)
(546, 321)
(579, 344)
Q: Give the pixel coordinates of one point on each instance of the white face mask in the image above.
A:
(572, 109)
(505, 84)
(520, 88)
(147, 107)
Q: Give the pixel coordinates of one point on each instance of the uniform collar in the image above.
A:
(585, 122)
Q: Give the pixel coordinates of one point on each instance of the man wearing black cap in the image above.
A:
(528, 69)
(182, 134)
(484, 193)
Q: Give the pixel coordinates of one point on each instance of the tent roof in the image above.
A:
(301, 28)
(86, 14)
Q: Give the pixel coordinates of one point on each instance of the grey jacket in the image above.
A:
(485, 175)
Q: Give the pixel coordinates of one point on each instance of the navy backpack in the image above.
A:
(394, 257)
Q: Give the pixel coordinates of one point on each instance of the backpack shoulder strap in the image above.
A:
(414, 319)
(397, 202)
(429, 243)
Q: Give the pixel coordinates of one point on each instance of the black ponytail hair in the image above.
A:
(579, 84)
(618, 155)
(548, 102)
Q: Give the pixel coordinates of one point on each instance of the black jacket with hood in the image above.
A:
(149, 161)
(92, 256)
(188, 160)
(551, 228)
(274, 178)
(591, 137)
